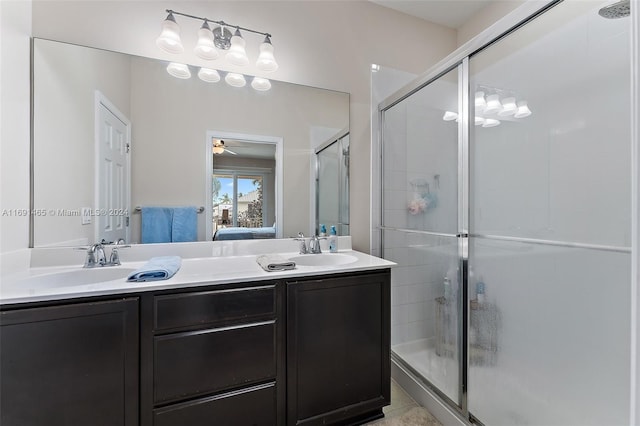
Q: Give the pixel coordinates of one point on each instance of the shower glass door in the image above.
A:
(420, 231)
(549, 263)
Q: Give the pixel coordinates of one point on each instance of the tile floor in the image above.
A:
(402, 403)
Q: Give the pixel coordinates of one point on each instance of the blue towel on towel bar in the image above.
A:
(156, 224)
(157, 268)
(184, 226)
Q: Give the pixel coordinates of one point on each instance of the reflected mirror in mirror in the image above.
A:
(332, 185)
(158, 128)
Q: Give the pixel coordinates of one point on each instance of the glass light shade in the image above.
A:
(509, 107)
(478, 121)
(218, 149)
(523, 110)
(209, 75)
(237, 55)
(491, 122)
(261, 84)
(179, 70)
(493, 104)
(266, 61)
(204, 47)
(449, 116)
(480, 102)
(169, 38)
(235, 79)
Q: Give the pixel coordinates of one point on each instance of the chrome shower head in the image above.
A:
(617, 10)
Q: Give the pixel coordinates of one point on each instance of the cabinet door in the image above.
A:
(67, 365)
(338, 351)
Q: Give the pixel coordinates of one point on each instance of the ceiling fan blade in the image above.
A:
(230, 152)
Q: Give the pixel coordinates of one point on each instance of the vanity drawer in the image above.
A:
(205, 361)
(252, 406)
(192, 309)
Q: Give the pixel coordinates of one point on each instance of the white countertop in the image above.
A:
(33, 284)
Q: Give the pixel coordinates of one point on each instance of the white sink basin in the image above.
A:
(76, 277)
(323, 259)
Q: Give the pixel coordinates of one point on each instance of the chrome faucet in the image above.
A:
(96, 255)
(303, 243)
(314, 245)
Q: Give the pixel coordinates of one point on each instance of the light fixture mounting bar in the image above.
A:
(218, 22)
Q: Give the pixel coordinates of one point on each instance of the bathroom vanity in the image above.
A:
(307, 346)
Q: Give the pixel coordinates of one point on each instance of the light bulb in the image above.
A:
(261, 84)
(493, 104)
(449, 116)
(217, 149)
(235, 79)
(209, 75)
(491, 122)
(237, 55)
(509, 107)
(204, 47)
(266, 61)
(179, 70)
(523, 110)
(169, 38)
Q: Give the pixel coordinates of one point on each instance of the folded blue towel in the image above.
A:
(184, 226)
(157, 268)
(156, 224)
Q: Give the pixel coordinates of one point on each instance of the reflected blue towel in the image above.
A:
(156, 224)
(184, 226)
(157, 268)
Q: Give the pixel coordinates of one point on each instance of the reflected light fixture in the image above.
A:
(493, 104)
(179, 70)
(490, 122)
(523, 110)
(449, 116)
(480, 102)
(260, 84)
(478, 121)
(235, 79)
(209, 75)
(509, 107)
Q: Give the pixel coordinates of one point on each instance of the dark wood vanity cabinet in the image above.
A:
(306, 351)
(214, 357)
(70, 364)
(338, 349)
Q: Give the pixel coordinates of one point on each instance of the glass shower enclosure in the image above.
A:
(506, 202)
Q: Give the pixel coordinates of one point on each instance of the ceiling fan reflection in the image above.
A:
(219, 148)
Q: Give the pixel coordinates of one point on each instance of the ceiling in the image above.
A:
(450, 13)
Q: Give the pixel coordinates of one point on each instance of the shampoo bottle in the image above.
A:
(333, 240)
(323, 230)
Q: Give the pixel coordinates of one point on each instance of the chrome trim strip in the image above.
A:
(600, 247)
(415, 231)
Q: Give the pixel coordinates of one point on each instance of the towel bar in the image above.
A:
(138, 209)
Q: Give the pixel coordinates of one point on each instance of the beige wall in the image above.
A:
(15, 29)
(64, 116)
(487, 16)
(324, 44)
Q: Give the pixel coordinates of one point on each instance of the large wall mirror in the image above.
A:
(162, 131)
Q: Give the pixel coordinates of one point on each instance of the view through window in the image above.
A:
(237, 200)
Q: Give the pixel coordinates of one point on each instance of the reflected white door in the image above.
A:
(112, 174)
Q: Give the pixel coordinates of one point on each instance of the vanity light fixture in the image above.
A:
(449, 116)
(179, 70)
(490, 122)
(218, 38)
(480, 101)
(493, 104)
(509, 107)
(523, 110)
(235, 79)
(260, 84)
(209, 75)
